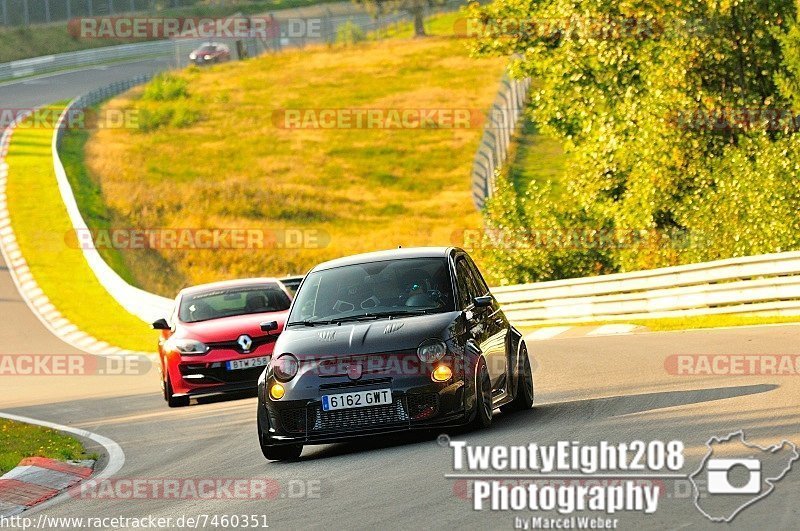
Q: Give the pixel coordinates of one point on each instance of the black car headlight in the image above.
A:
(431, 350)
(285, 367)
(187, 347)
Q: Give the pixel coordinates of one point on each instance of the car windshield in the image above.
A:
(373, 290)
(229, 302)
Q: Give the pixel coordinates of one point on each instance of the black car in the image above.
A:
(390, 341)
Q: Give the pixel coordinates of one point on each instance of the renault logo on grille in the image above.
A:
(245, 342)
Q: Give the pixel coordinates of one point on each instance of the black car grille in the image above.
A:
(294, 420)
(422, 406)
(355, 383)
(344, 420)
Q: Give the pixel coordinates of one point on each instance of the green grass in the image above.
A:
(42, 228)
(88, 195)
(46, 39)
(536, 158)
(18, 441)
(214, 158)
(688, 323)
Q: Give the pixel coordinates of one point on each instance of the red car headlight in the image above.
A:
(187, 347)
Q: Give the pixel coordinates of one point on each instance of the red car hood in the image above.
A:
(230, 328)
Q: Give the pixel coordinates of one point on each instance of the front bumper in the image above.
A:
(423, 405)
(207, 375)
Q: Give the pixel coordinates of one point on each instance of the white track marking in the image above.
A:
(547, 333)
(612, 329)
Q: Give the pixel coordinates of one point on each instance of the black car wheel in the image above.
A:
(483, 396)
(276, 453)
(524, 397)
(174, 401)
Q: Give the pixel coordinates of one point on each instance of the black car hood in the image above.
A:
(365, 337)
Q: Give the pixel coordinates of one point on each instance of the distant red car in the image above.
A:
(220, 337)
(210, 52)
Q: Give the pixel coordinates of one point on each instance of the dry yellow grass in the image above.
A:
(366, 189)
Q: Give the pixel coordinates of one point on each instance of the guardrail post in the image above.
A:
(47, 10)
(26, 16)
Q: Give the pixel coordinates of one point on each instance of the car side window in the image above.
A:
(480, 284)
(463, 281)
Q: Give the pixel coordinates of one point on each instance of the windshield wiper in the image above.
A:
(402, 313)
(308, 323)
(362, 317)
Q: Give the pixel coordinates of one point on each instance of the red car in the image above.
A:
(220, 337)
(210, 52)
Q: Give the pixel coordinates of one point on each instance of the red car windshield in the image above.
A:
(219, 303)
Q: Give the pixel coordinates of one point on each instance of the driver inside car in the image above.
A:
(418, 284)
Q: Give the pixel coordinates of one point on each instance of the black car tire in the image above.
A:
(483, 397)
(174, 401)
(276, 453)
(524, 397)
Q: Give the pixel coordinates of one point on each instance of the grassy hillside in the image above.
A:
(209, 154)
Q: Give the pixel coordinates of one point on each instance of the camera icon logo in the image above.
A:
(719, 472)
(735, 474)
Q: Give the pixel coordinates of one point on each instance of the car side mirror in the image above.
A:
(483, 301)
(269, 326)
(161, 324)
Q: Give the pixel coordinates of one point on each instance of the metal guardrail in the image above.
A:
(758, 284)
(500, 126)
(65, 61)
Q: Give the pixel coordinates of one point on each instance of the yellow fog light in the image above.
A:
(277, 391)
(442, 373)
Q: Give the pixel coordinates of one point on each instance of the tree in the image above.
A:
(675, 114)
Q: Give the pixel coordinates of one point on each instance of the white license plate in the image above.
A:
(247, 363)
(377, 397)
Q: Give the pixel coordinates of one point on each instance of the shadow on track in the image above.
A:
(549, 414)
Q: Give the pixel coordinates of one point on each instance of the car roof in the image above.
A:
(391, 254)
(242, 282)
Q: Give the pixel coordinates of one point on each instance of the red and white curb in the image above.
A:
(38, 483)
(571, 332)
(33, 296)
(38, 479)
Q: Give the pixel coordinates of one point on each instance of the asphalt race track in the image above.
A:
(611, 388)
